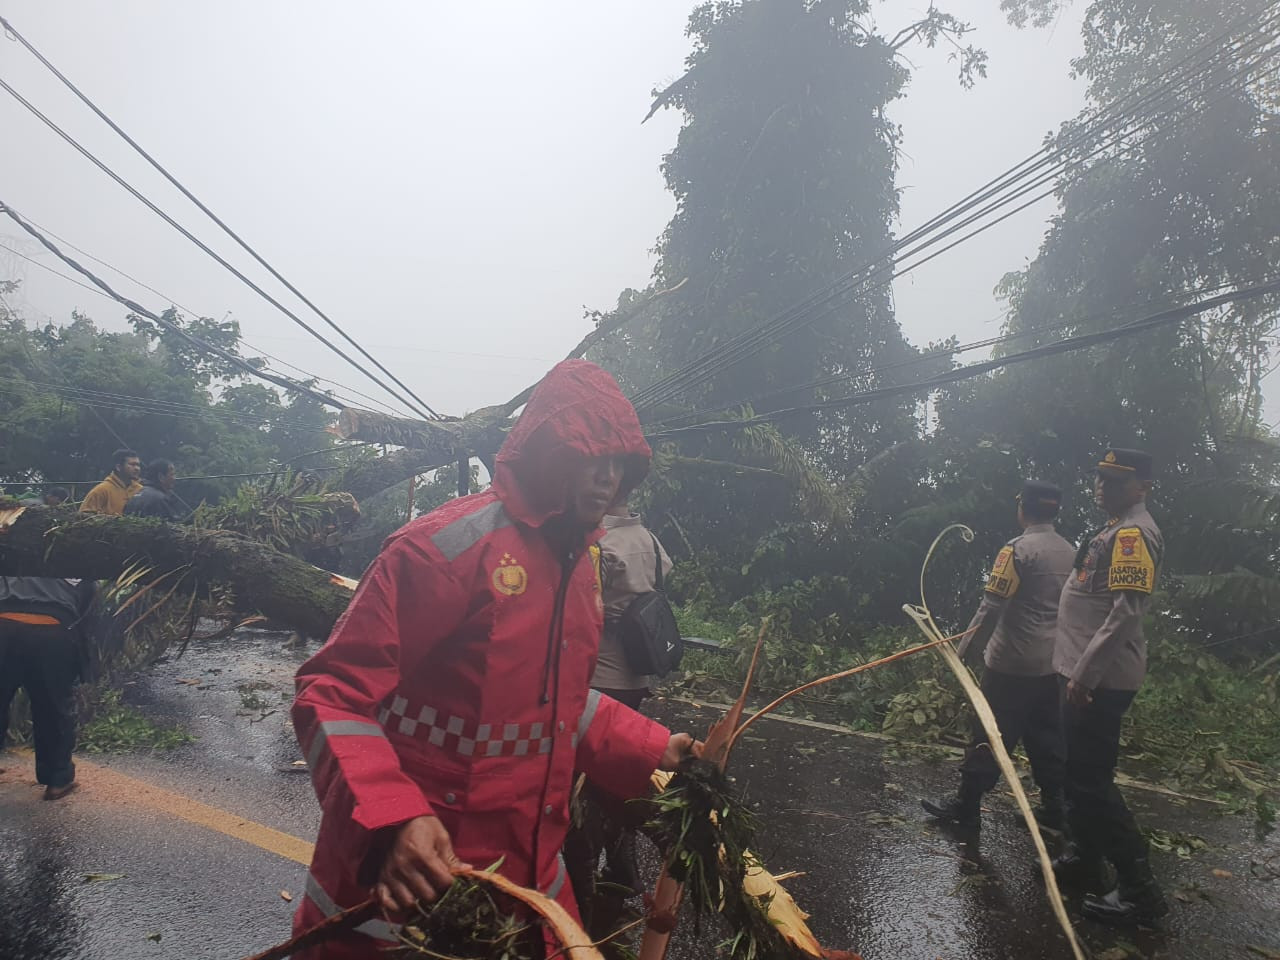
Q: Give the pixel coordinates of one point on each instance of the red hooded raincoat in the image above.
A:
(456, 683)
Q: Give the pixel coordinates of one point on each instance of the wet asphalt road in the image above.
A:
(878, 879)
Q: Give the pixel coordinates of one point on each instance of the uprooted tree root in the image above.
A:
(707, 831)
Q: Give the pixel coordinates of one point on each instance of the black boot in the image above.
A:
(964, 809)
(1136, 899)
(1080, 871)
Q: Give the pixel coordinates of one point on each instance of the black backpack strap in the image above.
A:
(657, 563)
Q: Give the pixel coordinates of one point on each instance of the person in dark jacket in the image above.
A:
(156, 498)
(39, 651)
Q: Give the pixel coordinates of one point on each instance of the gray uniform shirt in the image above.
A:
(627, 568)
(1016, 621)
(1100, 642)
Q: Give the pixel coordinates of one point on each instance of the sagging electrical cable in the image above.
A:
(431, 414)
(280, 381)
(745, 344)
(191, 313)
(771, 329)
(870, 373)
(205, 247)
(969, 371)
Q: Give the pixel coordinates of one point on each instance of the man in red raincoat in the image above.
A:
(445, 717)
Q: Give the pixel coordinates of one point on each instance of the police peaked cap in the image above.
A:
(1041, 494)
(1120, 462)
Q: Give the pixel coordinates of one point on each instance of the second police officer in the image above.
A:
(1015, 624)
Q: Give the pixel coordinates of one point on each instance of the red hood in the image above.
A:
(576, 411)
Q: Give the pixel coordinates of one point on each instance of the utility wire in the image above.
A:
(1057, 156)
(278, 380)
(837, 291)
(421, 405)
(1065, 345)
(852, 377)
(191, 313)
(202, 245)
(114, 401)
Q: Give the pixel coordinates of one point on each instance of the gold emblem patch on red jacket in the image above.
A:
(509, 578)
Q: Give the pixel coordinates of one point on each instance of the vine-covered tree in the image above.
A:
(1187, 201)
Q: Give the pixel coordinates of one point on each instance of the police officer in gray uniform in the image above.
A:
(1101, 658)
(1015, 623)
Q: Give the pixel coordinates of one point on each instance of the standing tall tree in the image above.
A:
(784, 180)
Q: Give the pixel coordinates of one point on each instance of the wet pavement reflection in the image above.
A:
(98, 876)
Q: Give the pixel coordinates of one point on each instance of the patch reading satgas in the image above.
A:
(1003, 581)
(1131, 565)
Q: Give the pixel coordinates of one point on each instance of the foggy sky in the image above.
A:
(452, 187)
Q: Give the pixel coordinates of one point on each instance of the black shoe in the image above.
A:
(1079, 873)
(955, 809)
(1145, 904)
(57, 793)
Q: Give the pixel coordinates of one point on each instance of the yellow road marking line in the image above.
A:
(104, 784)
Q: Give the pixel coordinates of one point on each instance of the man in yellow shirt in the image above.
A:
(117, 487)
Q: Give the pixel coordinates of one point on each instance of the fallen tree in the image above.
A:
(58, 542)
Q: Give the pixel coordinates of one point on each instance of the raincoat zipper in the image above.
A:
(556, 630)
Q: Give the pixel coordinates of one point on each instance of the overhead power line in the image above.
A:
(143, 405)
(968, 372)
(422, 406)
(1110, 127)
(189, 312)
(851, 378)
(240, 362)
(209, 250)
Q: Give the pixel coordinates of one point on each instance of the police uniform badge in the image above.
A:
(593, 551)
(1003, 581)
(1131, 565)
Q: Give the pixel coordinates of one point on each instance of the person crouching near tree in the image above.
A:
(444, 718)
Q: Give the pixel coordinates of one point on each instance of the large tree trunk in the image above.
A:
(427, 445)
(58, 542)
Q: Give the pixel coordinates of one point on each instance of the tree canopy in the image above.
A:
(72, 394)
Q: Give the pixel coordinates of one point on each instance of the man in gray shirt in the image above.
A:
(1015, 624)
(1101, 658)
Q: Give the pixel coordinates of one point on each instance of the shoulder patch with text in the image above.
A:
(1003, 581)
(1131, 565)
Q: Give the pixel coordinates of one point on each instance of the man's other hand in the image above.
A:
(419, 867)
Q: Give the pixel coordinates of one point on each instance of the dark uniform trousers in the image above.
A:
(44, 661)
(1100, 820)
(1027, 712)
